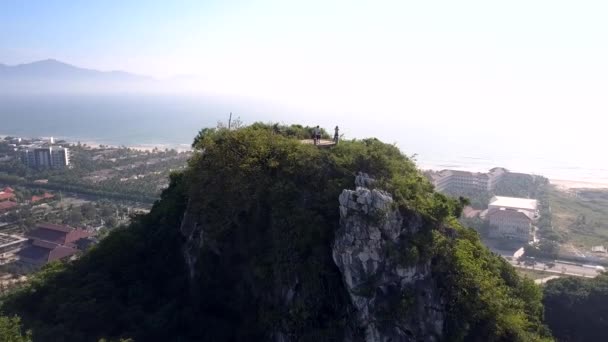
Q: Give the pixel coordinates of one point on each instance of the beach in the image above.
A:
(562, 184)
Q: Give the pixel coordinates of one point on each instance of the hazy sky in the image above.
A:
(496, 69)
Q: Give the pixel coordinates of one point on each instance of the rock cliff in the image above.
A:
(393, 301)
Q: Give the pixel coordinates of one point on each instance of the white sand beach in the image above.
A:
(565, 185)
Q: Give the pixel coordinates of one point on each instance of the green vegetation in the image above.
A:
(576, 308)
(580, 216)
(11, 331)
(268, 208)
(533, 274)
(113, 173)
(522, 185)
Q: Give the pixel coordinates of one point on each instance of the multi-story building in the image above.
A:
(465, 181)
(512, 218)
(46, 157)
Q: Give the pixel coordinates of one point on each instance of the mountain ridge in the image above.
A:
(54, 69)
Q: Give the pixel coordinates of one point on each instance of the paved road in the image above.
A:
(561, 268)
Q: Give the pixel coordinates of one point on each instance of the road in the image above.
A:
(560, 268)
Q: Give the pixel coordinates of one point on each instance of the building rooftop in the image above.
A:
(504, 212)
(55, 227)
(57, 234)
(7, 205)
(514, 203)
(6, 195)
(46, 252)
(44, 196)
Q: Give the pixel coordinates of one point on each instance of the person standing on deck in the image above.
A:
(336, 134)
(316, 132)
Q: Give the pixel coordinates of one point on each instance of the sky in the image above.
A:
(495, 70)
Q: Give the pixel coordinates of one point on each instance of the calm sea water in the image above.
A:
(175, 120)
(111, 119)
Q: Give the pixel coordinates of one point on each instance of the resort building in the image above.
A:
(512, 218)
(465, 181)
(46, 157)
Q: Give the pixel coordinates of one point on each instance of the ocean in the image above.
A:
(173, 121)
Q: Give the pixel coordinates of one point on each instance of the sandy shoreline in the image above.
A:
(563, 184)
(560, 184)
(96, 144)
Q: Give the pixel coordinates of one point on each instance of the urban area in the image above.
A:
(528, 221)
(57, 199)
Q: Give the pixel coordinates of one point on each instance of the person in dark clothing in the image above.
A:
(336, 134)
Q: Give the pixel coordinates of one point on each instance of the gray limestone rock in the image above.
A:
(378, 284)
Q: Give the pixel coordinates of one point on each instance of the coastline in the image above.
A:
(95, 144)
(560, 183)
(567, 185)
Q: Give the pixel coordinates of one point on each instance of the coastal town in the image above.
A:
(515, 216)
(57, 198)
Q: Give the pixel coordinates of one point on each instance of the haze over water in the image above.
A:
(174, 121)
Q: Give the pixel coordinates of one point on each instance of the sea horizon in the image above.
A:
(174, 121)
(566, 177)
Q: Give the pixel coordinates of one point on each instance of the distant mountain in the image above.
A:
(49, 69)
(53, 76)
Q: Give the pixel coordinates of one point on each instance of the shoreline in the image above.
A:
(95, 144)
(559, 183)
(567, 185)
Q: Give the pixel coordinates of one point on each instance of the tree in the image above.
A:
(75, 217)
(11, 331)
(88, 211)
(576, 308)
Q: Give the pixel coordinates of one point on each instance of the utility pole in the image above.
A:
(230, 120)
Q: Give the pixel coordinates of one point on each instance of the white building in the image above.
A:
(47, 157)
(512, 217)
(465, 181)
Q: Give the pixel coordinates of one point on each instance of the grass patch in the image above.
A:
(533, 274)
(581, 216)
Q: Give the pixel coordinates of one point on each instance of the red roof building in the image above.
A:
(45, 196)
(50, 242)
(9, 190)
(57, 234)
(42, 252)
(5, 196)
(7, 205)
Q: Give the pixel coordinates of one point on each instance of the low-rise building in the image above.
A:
(6, 194)
(512, 218)
(45, 196)
(7, 206)
(50, 242)
(57, 233)
(39, 253)
(9, 246)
